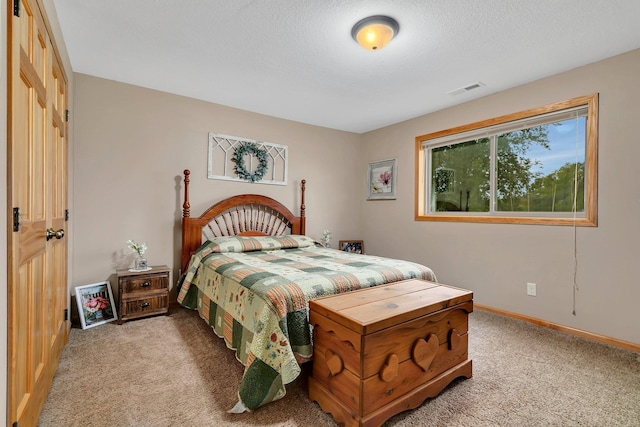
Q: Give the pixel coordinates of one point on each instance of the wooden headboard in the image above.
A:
(242, 215)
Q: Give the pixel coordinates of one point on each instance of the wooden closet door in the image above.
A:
(37, 191)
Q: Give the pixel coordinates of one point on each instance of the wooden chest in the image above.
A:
(383, 350)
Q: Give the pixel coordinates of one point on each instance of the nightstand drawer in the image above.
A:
(144, 284)
(146, 306)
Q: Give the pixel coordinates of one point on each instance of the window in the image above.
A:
(534, 167)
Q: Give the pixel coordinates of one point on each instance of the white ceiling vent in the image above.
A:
(467, 88)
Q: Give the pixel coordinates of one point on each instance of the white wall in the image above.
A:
(497, 260)
(131, 146)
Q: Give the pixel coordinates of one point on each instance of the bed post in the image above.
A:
(186, 206)
(303, 218)
(186, 216)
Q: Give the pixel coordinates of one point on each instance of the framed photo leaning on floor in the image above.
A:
(95, 304)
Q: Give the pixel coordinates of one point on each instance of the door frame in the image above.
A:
(4, 267)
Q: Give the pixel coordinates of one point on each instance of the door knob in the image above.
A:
(51, 233)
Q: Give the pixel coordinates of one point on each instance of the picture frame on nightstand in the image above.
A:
(95, 304)
(352, 246)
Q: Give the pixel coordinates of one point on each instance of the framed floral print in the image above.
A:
(382, 180)
(95, 304)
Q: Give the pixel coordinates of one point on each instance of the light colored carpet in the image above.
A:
(172, 370)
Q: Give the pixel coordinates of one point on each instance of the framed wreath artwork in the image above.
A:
(382, 180)
(233, 158)
(241, 168)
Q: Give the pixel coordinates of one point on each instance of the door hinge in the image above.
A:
(66, 214)
(16, 424)
(66, 314)
(67, 115)
(16, 219)
(16, 8)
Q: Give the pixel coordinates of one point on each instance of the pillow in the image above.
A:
(257, 243)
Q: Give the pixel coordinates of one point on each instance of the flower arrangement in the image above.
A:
(326, 238)
(385, 178)
(96, 303)
(139, 248)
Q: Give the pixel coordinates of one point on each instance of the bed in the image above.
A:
(250, 271)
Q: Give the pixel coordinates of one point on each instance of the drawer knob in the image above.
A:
(424, 352)
(145, 284)
(390, 369)
(334, 363)
(145, 304)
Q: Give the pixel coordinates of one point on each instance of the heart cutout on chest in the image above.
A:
(334, 363)
(454, 339)
(424, 351)
(390, 369)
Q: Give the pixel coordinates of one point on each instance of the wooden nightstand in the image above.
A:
(142, 294)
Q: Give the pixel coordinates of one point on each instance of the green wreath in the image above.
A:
(252, 149)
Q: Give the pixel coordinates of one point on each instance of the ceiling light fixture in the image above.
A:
(374, 32)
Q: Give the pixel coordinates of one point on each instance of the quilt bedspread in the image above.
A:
(254, 292)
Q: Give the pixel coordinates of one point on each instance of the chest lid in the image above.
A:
(372, 309)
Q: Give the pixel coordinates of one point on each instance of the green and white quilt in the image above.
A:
(255, 292)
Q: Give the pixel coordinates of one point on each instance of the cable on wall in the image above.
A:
(575, 227)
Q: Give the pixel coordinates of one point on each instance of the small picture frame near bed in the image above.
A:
(353, 246)
(95, 304)
(382, 180)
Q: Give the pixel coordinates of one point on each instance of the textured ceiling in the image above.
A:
(295, 59)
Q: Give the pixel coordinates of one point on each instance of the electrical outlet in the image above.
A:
(531, 289)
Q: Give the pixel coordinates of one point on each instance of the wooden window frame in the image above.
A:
(590, 219)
